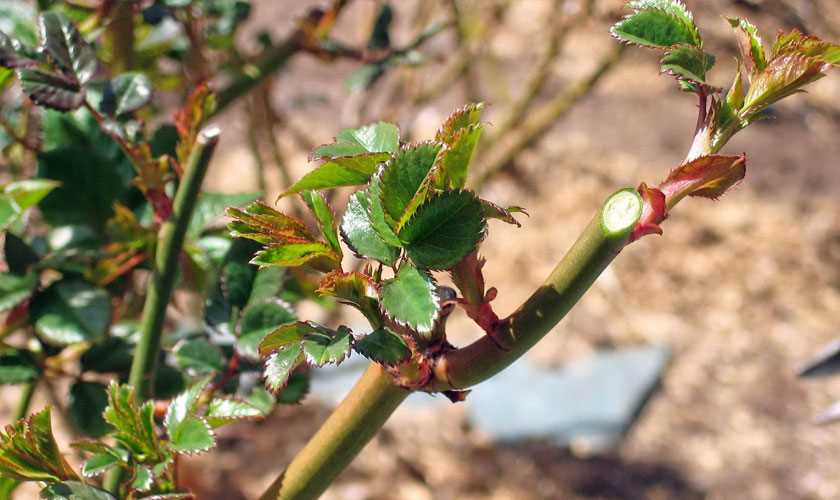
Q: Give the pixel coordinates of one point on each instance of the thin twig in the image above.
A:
(558, 32)
(541, 121)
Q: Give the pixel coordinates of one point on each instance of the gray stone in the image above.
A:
(587, 405)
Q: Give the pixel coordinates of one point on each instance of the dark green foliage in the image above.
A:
(87, 402)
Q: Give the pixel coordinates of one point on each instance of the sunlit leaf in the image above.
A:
(707, 177)
(409, 298)
(325, 217)
(134, 425)
(338, 172)
(66, 46)
(405, 181)
(383, 346)
(444, 230)
(750, 46)
(659, 24)
(358, 231)
(377, 137)
(29, 452)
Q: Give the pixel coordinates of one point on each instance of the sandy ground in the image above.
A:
(744, 289)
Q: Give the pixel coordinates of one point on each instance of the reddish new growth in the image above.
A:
(707, 177)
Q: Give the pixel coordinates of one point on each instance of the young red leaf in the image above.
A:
(707, 177)
(654, 212)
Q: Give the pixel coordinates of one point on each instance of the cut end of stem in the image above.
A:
(621, 213)
(209, 135)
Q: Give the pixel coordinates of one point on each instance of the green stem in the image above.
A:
(601, 241)
(350, 427)
(375, 397)
(170, 241)
(25, 400)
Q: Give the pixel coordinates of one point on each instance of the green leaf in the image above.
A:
(66, 46)
(405, 181)
(659, 24)
(466, 117)
(750, 45)
(355, 289)
(455, 161)
(262, 400)
(357, 230)
(410, 298)
(210, 207)
(29, 192)
(295, 390)
(192, 436)
(257, 321)
(50, 90)
(143, 479)
(320, 349)
(93, 171)
(223, 411)
(29, 452)
(14, 289)
(131, 91)
(317, 255)
(378, 137)
(189, 433)
(87, 402)
(134, 426)
(74, 490)
(325, 217)
(17, 367)
(7, 487)
(688, 63)
(199, 356)
(280, 365)
(376, 210)
(444, 230)
(114, 355)
(17, 197)
(383, 346)
(99, 464)
(71, 311)
(338, 172)
(320, 345)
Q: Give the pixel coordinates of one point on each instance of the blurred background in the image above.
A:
(676, 376)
